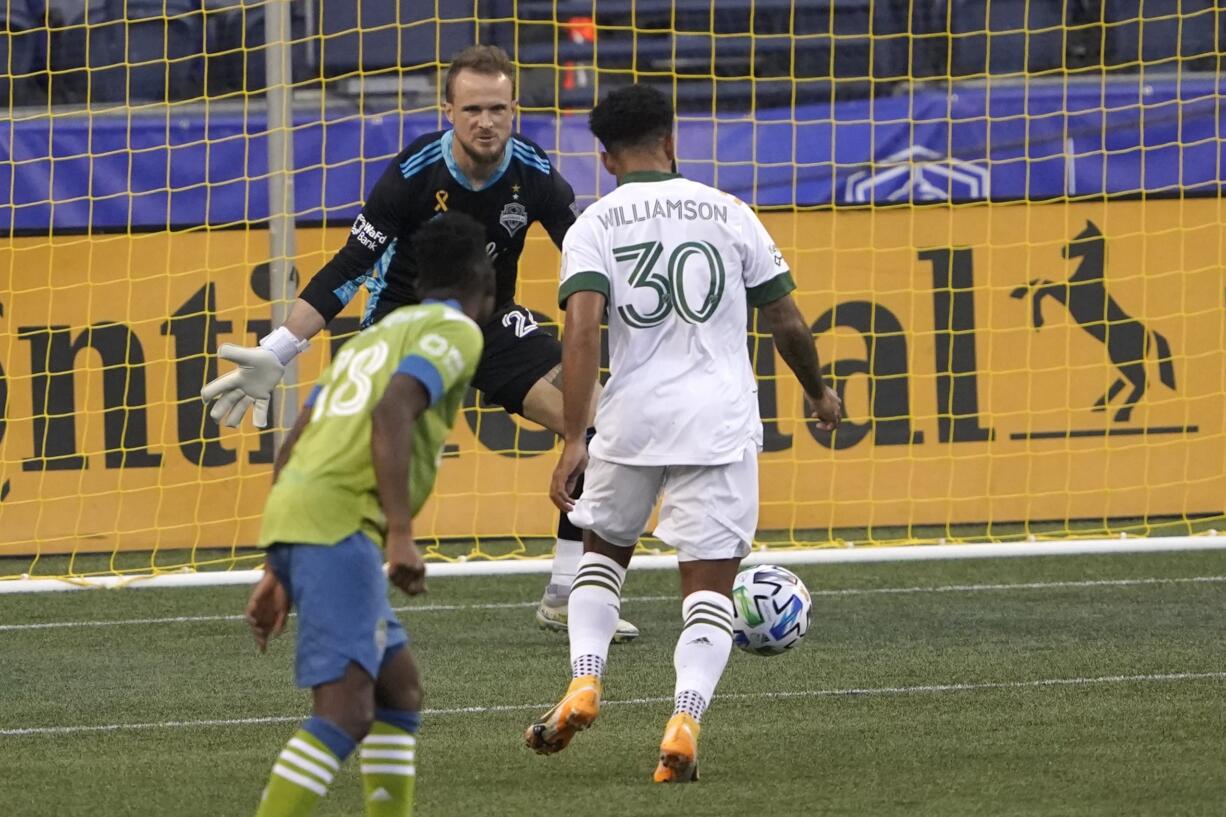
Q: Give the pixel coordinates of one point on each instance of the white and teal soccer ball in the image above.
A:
(773, 610)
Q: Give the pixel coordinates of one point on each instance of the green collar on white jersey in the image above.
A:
(647, 176)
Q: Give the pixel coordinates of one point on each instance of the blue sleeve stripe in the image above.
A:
(409, 168)
(419, 154)
(313, 396)
(527, 148)
(416, 162)
(425, 372)
(409, 172)
(528, 156)
(532, 164)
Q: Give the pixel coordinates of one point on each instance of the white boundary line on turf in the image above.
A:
(1041, 683)
(414, 608)
(979, 588)
(828, 555)
(851, 591)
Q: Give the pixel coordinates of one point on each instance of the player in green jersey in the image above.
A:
(357, 466)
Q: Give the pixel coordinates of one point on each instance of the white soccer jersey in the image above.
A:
(680, 263)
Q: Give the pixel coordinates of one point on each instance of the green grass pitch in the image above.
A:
(1093, 686)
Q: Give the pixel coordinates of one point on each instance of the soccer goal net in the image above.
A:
(1005, 220)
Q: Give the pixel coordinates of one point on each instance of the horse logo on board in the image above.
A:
(1127, 340)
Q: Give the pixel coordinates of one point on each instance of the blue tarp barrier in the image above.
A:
(998, 142)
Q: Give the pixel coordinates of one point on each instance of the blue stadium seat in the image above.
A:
(20, 42)
(1164, 30)
(235, 46)
(19, 15)
(904, 39)
(422, 34)
(698, 94)
(85, 53)
(790, 40)
(688, 15)
(870, 42)
(657, 53)
(162, 45)
(1006, 37)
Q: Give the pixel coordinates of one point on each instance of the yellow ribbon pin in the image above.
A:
(440, 196)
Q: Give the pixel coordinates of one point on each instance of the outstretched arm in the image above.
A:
(580, 368)
(261, 368)
(391, 448)
(304, 321)
(795, 345)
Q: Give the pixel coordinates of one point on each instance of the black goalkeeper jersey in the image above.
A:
(422, 182)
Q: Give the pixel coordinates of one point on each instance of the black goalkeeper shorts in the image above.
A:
(518, 352)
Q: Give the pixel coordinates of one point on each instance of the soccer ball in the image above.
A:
(773, 610)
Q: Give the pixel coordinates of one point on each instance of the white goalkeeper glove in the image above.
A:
(251, 384)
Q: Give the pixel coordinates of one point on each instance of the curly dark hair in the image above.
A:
(449, 253)
(631, 116)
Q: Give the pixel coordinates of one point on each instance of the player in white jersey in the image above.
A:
(674, 266)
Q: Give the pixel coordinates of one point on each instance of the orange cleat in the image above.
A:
(678, 751)
(574, 713)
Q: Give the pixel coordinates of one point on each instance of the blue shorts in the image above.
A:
(344, 616)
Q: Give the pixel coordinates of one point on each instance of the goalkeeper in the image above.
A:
(505, 182)
(357, 466)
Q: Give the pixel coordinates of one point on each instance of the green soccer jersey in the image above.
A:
(327, 490)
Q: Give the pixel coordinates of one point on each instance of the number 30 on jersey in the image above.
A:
(669, 285)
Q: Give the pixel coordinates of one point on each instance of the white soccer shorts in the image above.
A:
(709, 511)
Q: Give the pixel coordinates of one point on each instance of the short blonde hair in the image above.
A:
(481, 59)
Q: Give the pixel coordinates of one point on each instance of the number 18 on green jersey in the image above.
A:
(327, 490)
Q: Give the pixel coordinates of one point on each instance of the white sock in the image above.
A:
(689, 702)
(702, 649)
(594, 608)
(566, 556)
(586, 665)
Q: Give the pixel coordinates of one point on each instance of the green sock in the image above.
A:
(300, 777)
(388, 756)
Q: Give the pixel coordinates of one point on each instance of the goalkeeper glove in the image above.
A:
(251, 384)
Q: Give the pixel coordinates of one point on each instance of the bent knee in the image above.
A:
(405, 697)
(414, 697)
(354, 717)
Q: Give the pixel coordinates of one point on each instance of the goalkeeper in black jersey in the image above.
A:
(506, 182)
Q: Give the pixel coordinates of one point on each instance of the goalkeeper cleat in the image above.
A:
(574, 713)
(678, 751)
(553, 617)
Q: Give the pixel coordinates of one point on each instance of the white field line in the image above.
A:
(415, 608)
(869, 591)
(1041, 683)
(797, 556)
